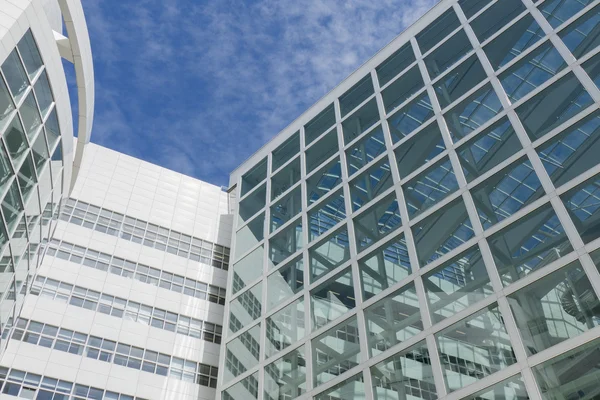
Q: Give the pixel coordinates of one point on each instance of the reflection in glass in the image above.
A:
(321, 151)
(335, 351)
(332, 299)
(30, 54)
(252, 203)
(365, 150)
(555, 308)
(582, 36)
(285, 178)
(356, 95)
(459, 81)
(360, 121)
(248, 269)
(474, 348)
(324, 180)
(14, 137)
(437, 30)
(558, 11)
(405, 375)
(471, 7)
(395, 64)
(285, 152)
(529, 243)
(384, 267)
(43, 94)
(12, 206)
(15, 75)
(286, 208)
(370, 183)
(495, 17)
(419, 149)
(509, 389)
(30, 115)
(6, 104)
(410, 117)
(393, 319)
(285, 243)
(457, 284)
(246, 308)
(402, 88)
(249, 236)
(285, 327)
(242, 353)
(285, 283)
(583, 205)
(351, 388)
(285, 378)
(376, 222)
(329, 253)
(252, 178)
(245, 389)
(326, 214)
(319, 124)
(592, 67)
(447, 54)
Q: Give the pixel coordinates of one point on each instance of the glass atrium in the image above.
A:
(430, 232)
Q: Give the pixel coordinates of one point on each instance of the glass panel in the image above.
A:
(356, 95)
(419, 149)
(336, 351)
(365, 150)
(437, 30)
(14, 137)
(285, 243)
(52, 130)
(6, 104)
(583, 203)
(474, 348)
(43, 93)
(242, 353)
(332, 299)
(495, 17)
(553, 106)
(509, 389)
(39, 151)
(5, 169)
(532, 71)
(513, 41)
(384, 267)
(430, 187)
(573, 151)
(249, 235)
(529, 243)
(319, 124)
(286, 208)
(12, 206)
(285, 378)
(558, 11)
(447, 54)
(321, 151)
(351, 388)
(285, 179)
(472, 112)
(285, 327)
(252, 178)
(370, 184)
(326, 214)
(324, 180)
(402, 88)
(442, 232)
(329, 254)
(15, 75)
(251, 204)
(405, 375)
(248, 269)
(582, 36)
(488, 149)
(555, 308)
(360, 121)
(592, 67)
(245, 389)
(29, 54)
(506, 192)
(393, 319)
(30, 115)
(471, 7)
(459, 81)
(571, 375)
(457, 284)
(27, 178)
(410, 117)
(376, 222)
(285, 151)
(285, 283)
(395, 64)
(245, 309)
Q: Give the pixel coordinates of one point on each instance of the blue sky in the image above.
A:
(198, 86)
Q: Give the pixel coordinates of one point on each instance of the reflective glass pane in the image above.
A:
(14, 137)
(474, 348)
(437, 30)
(285, 378)
(242, 353)
(410, 117)
(532, 71)
(252, 203)
(285, 179)
(448, 54)
(393, 319)
(285, 243)
(245, 309)
(285, 283)
(558, 11)
(5, 169)
(356, 95)
(248, 269)
(335, 351)
(52, 130)
(553, 106)
(395, 64)
(419, 149)
(513, 41)
(509, 389)
(285, 151)
(573, 151)
(471, 7)
(472, 112)
(442, 232)
(245, 389)
(319, 124)
(326, 214)
(506, 192)
(40, 152)
(15, 75)
(370, 183)
(43, 93)
(459, 81)
(30, 54)
(326, 147)
(249, 236)
(332, 299)
(405, 375)
(30, 115)
(286, 208)
(529, 243)
(457, 284)
(495, 17)
(582, 36)
(285, 327)
(384, 267)
(351, 388)
(324, 180)
(592, 67)
(365, 150)
(430, 187)
(402, 88)
(583, 205)
(377, 221)
(329, 254)
(6, 104)
(252, 178)
(360, 121)
(555, 308)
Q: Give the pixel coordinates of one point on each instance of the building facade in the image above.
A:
(128, 301)
(430, 228)
(38, 161)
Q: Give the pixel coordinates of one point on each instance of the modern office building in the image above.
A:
(430, 229)
(38, 159)
(128, 301)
